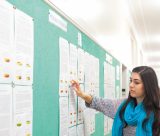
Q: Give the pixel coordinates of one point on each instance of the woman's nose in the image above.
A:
(131, 84)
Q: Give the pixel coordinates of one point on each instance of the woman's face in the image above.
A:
(136, 87)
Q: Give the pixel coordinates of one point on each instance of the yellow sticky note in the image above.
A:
(19, 63)
(19, 124)
(6, 59)
(6, 75)
(28, 65)
(28, 122)
(28, 78)
(19, 77)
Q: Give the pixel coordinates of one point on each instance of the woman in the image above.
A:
(139, 114)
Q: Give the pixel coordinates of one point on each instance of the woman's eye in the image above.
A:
(134, 82)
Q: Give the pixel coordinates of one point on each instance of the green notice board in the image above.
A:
(46, 67)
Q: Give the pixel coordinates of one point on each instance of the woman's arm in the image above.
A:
(107, 106)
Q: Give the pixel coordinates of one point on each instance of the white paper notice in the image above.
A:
(72, 108)
(63, 128)
(73, 62)
(96, 69)
(89, 121)
(117, 72)
(24, 42)
(87, 68)
(118, 92)
(110, 122)
(79, 39)
(91, 74)
(92, 122)
(18, 127)
(80, 130)
(23, 99)
(57, 20)
(81, 64)
(6, 42)
(106, 131)
(23, 124)
(28, 124)
(109, 80)
(5, 110)
(64, 67)
(109, 91)
(72, 131)
(81, 108)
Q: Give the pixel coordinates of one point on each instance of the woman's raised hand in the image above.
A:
(76, 86)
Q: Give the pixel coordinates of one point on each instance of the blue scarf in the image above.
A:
(134, 116)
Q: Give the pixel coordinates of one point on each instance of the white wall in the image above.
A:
(116, 38)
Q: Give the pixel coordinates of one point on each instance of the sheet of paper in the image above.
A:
(22, 99)
(109, 91)
(96, 72)
(109, 58)
(63, 116)
(81, 64)
(87, 68)
(117, 72)
(72, 108)
(113, 75)
(57, 20)
(6, 25)
(73, 62)
(81, 108)
(80, 130)
(109, 81)
(88, 79)
(118, 92)
(106, 73)
(72, 131)
(22, 124)
(88, 87)
(79, 39)
(18, 126)
(92, 122)
(64, 56)
(6, 42)
(28, 123)
(106, 129)
(24, 43)
(91, 74)
(89, 121)
(97, 91)
(5, 110)
(64, 67)
(110, 122)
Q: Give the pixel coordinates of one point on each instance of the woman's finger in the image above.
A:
(74, 83)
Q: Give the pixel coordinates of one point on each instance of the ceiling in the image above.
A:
(105, 18)
(146, 17)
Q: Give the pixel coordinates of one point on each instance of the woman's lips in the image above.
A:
(132, 91)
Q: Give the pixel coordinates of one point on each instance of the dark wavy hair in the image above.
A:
(151, 101)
